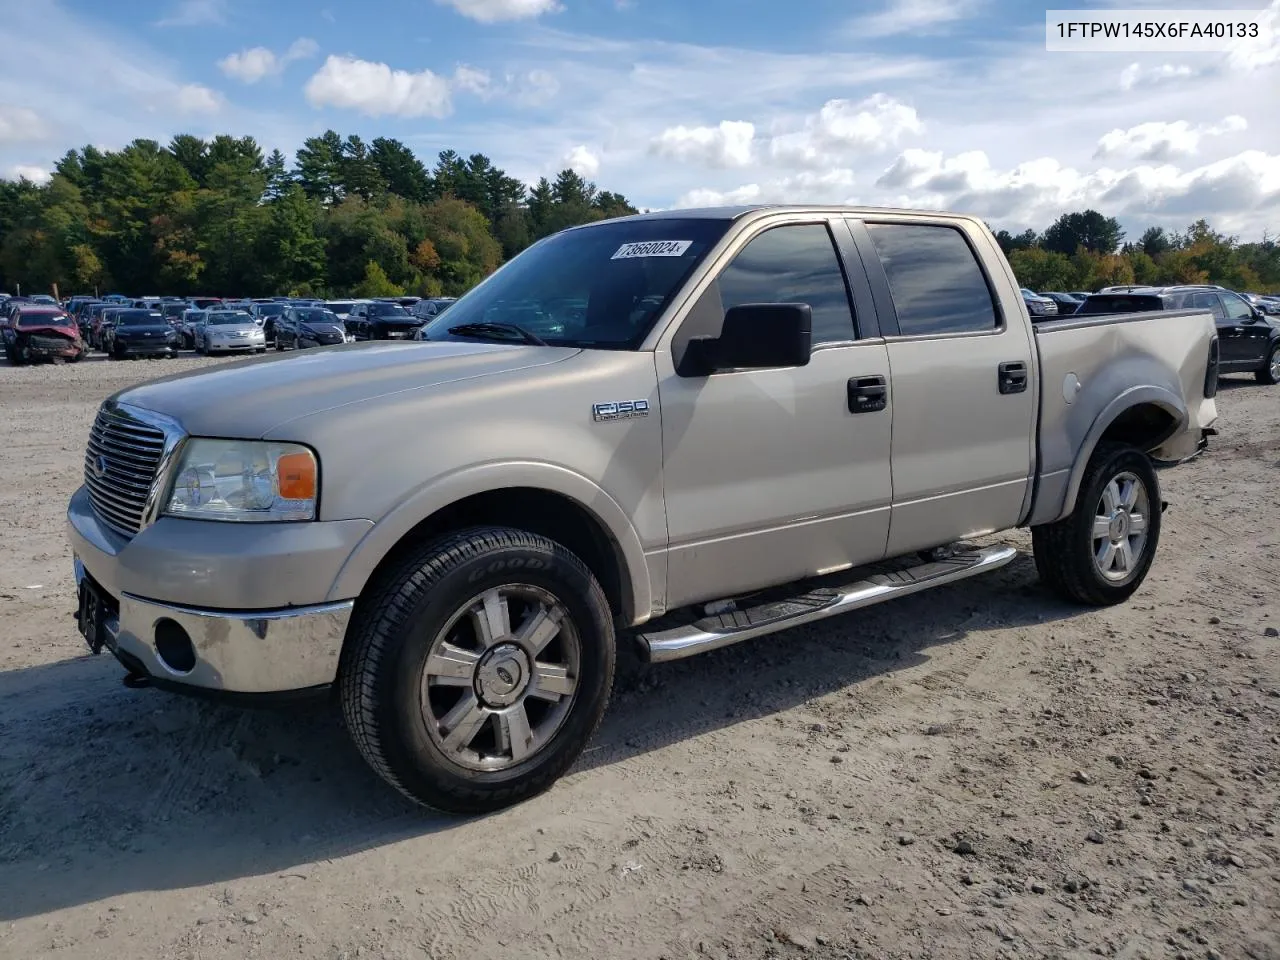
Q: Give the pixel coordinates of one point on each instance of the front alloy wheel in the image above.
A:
(476, 671)
(500, 678)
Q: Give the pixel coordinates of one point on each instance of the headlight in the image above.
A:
(245, 480)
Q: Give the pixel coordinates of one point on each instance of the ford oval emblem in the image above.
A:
(100, 467)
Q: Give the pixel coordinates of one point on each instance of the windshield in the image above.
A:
(339, 307)
(28, 320)
(138, 318)
(599, 286)
(316, 316)
(270, 309)
(222, 319)
(387, 310)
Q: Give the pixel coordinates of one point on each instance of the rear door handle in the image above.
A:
(1013, 377)
(867, 394)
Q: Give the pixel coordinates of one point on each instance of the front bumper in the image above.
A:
(242, 652)
(144, 348)
(237, 346)
(250, 598)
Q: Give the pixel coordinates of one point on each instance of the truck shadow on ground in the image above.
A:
(106, 790)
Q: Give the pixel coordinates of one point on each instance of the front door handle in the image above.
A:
(867, 394)
(1013, 377)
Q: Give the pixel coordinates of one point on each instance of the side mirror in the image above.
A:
(753, 336)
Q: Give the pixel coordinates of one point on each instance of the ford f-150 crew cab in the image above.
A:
(683, 429)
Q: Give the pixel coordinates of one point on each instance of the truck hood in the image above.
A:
(250, 397)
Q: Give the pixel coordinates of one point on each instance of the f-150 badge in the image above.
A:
(620, 410)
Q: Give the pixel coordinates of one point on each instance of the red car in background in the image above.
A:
(42, 333)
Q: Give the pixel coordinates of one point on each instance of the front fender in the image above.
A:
(448, 489)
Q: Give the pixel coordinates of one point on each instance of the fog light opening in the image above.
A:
(174, 646)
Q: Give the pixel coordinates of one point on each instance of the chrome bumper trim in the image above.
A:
(237, 651)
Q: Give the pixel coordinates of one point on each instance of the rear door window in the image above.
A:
(937, 285)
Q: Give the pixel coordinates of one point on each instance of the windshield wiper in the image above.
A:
(496, 331)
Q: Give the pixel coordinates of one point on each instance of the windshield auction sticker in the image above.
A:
(652, 248)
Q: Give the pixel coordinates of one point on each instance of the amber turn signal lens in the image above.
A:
(296, 476)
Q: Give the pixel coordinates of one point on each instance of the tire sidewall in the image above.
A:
(1265, 373)
(1122, 460)
(411, 752)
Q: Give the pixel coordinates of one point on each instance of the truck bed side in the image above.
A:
(1140, 377)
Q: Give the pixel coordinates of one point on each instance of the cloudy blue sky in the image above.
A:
(935, 103)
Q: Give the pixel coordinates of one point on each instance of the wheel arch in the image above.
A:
(1143, 417)
(538, 498)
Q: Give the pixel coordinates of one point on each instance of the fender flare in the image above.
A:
(1161, 397)
(442, 491)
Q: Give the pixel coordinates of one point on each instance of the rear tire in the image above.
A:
(1100, 553)
(1270, 372)
(476, 671)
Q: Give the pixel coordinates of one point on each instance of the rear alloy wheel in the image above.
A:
(478, 671)
(1270, 373)
(1101, 552)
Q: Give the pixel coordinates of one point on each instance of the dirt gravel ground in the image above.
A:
(976, 772)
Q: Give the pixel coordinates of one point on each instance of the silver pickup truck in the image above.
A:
(684, 429)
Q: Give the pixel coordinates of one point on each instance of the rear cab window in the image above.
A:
(935, 280)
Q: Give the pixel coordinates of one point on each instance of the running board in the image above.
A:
(711, 633)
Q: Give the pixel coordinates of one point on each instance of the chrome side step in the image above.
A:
(711, 633)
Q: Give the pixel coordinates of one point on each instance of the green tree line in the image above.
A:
(1086, 251)
(219, 217)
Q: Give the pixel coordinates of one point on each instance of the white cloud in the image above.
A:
(1137, 75)
(1160, 141)
(582, 161)
(535, 88)
(1037, 191)
(20, 125)
(910, 16)
(194, 98)
(27, 171)
(249, 66)
(841, 127)
(252, 65)
(492, 11)
(728, 145)
(196, 13)
(376, 90)
(1264, 50)
(304, 48)
(830, 186)
(473, 80)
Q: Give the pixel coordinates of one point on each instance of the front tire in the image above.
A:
(1270, 372)
(1102, 551)
(478, 669)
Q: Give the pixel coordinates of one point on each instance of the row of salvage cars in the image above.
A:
(41, 329)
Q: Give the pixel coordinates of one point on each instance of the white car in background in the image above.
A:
(229, 331)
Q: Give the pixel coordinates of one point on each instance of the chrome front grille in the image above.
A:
(123, 459)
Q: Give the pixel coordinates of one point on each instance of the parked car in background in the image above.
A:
(340, 308)
(104, 325)
(1268, 305)
(38, 331)
(381, 320)
(301, 327)
(1038, 306)
(204, 303)
(1067, 302)
(141, 333)
(432, 307)
(1249, 342)
(229, 331)
(267, 313)
(172, 310)
(45, 299)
